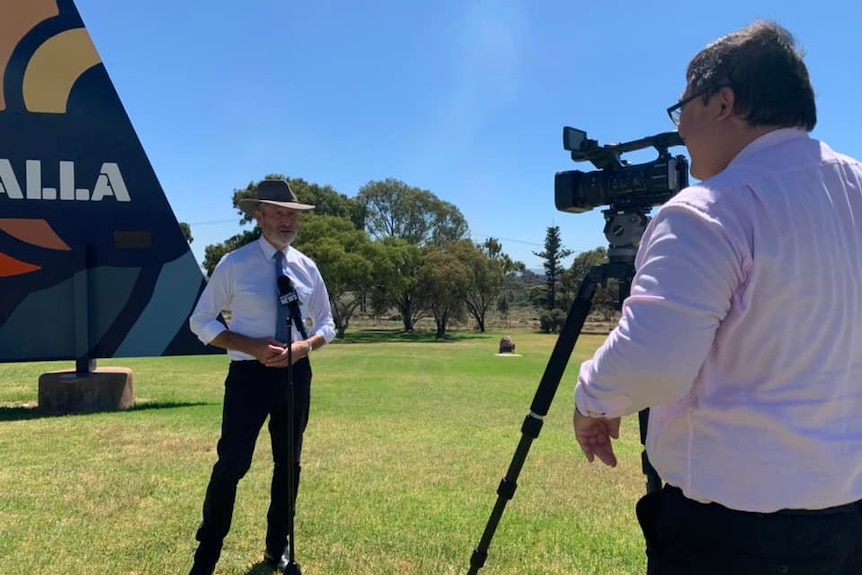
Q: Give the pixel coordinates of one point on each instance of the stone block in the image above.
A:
(507, 345)
(105, 389)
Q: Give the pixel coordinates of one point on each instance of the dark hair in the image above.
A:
(765, 70)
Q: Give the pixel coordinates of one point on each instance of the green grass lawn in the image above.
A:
(407, 442)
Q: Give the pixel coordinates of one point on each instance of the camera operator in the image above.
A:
(743, 331)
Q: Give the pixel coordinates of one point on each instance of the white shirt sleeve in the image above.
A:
(214, 299)
(688, 271)
(320, 309)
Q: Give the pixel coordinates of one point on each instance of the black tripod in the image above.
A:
(623, 229)
(289, 299)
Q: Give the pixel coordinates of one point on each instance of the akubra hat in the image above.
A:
(275, 192)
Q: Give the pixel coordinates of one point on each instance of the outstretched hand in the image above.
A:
(594, 435)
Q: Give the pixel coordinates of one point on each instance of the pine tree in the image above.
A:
(554, 254)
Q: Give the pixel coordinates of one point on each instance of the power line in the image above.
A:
(213, 222)
(525, 242)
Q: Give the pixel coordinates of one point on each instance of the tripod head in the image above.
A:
(624, 228)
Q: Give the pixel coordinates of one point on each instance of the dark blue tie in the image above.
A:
(281, 325)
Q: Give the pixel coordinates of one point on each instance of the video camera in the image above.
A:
(616, 183)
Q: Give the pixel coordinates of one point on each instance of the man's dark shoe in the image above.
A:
(276, 562)
(206, 557)
(198, 570)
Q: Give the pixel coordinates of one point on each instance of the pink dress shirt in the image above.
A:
(743, 332)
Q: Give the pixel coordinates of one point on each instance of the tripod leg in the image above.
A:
(532, 425)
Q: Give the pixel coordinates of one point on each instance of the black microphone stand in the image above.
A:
(293, 316)
(623, 229)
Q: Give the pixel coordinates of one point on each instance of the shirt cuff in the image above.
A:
(327, 332)
(210, 331)
(610, 407)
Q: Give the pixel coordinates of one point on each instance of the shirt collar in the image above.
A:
(268, 250)
(768, 140)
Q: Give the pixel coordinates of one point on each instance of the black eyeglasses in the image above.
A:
(675, 111)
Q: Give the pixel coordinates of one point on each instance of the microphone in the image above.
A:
(288, 298)
(286, 293)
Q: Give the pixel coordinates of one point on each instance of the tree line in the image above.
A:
(399, 247)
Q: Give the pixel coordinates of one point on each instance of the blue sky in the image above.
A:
(464, 98)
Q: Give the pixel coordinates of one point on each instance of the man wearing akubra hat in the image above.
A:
(246, 283)
(273, 192)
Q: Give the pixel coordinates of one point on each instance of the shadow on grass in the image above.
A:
(398, 336)
(32, 411)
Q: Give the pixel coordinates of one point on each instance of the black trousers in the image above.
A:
(686, 537)
(253, 392)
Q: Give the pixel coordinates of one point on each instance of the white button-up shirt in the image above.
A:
(244, 284)
(743, 332)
